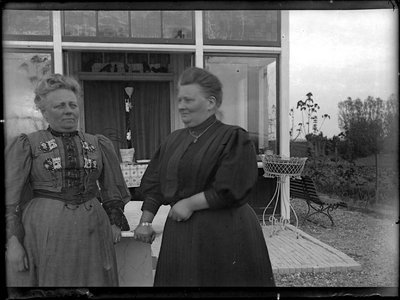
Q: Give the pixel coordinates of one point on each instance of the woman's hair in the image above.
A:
(52, 83)
(209, 83)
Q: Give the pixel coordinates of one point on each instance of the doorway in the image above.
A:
(150, 121)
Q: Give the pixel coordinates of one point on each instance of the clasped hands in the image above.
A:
(180, 212)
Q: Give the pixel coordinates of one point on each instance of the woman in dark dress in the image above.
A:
(205, 172)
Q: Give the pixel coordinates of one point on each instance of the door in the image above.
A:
(105, 113)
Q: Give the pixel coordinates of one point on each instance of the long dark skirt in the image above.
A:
(66, 246)
(214, 248)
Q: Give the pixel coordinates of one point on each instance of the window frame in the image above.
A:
(32, 50)
(207, 41)
(278, 106)
(28, 37)
(31, 96)
(129, 39)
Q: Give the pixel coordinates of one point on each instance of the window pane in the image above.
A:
(242, 25)
(91, 61)
(125, 62)
(113, 24)
(177, 25)
(23, 72)
(26, 22)
(249, 87)
(80, 23)
(146, 24)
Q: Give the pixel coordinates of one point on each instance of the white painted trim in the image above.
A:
(144, 47)
(284, 143)
(261, 105)
(243, 101)
(199, 62)
(284, 87)
(242, 49)
(125, 46)
(28, 44)
(58, 58)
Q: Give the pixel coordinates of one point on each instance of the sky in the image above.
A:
(336, 54)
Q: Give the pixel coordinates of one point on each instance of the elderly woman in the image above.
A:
(63, 235)
(205, 172)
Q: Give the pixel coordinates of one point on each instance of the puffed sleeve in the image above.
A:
(18, 161)
(150, 185)
(236, 174)
(114, 192)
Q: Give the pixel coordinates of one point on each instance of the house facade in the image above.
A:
(107, 51)
(128, 64)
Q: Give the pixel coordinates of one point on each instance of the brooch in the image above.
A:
(52, 164)
(48, 146)
(88, 146)
(90, 163)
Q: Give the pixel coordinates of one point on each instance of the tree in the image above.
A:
(367, 127)
(392, 143)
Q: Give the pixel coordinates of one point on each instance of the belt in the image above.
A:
(69, 196)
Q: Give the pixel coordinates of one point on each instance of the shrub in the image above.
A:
(353, 183)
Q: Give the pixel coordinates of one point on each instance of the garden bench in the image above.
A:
(304, 188)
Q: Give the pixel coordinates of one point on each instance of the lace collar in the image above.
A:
(62, 134)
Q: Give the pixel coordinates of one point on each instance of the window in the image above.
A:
(32, 24)
(80, 23)
(146, 24)
(23, 70)
(177, 25)
(113, 24)
(125, 62)
(251, 27)
(250, 98)
(129, 26)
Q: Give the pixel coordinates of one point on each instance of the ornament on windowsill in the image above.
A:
(128, 105)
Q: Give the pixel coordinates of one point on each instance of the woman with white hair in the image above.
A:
(63, 235)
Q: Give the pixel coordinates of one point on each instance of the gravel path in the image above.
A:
(371, 237)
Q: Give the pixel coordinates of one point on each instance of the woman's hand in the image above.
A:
(116, 233)
(16, 255)
(144, 233)
(181, 211)
(184, 209)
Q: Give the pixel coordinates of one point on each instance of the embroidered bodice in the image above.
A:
(65, 167)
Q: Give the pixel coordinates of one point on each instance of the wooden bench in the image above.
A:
(304, 188)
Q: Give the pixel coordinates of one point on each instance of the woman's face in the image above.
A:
(193, 106)
(61, 110)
